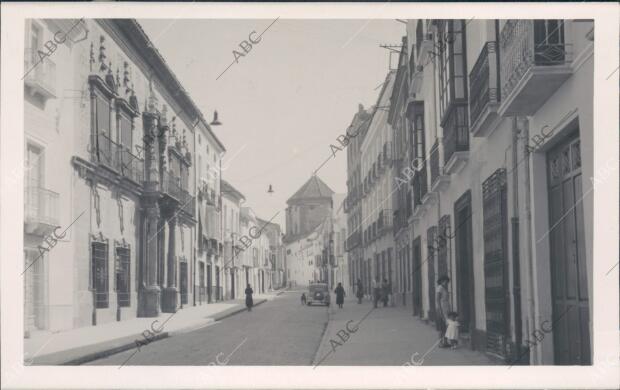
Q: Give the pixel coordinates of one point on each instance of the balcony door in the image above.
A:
(569, 279)
(549, 42)
(33, 179)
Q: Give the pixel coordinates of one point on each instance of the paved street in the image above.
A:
(278, 332)
(283, 332)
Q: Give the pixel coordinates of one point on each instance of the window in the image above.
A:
(35, 37)
(104, 131)
(125, 131)
(549, 41)
(99, 269)
(123, 280)
(452, 67)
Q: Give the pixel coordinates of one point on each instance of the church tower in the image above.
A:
(307, 208)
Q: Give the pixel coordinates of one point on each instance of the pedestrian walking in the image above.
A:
(248, 297)
(385, 292)
(442, 298)
(360, 291)
(339, 295)
(376, 291)
(303, 298)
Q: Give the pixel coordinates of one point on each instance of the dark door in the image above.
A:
(209, 284)
(232, 283)
(417, 277)
(464, 263)
(218, 290)
(183, 282)
(201, 283)
(496, 292)
(432, 280)
(569, 281)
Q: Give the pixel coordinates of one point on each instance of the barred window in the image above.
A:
(123, 281)
(99, 264)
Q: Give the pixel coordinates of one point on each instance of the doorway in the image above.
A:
(464, 263)
(209, 284)
(416, 294)
(569, 279)
(496, 289)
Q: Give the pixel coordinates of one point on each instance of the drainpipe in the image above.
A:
(516, 262)
(524, 127)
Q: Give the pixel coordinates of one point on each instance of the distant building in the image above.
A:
(376, 169)
(352, 203)
(232, 200)
(339, 262)
(307, 210)
(276, 252)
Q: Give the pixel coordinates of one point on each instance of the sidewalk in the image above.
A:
(386, 336)
(77, 346)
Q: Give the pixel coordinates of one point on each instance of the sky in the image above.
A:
(283, 102)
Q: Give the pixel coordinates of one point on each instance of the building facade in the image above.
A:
(497, 116)
(307, 210)
(276, 252)
(233, 265)
(121, 205)
(209, 244)
(377, 188)
(340, 267)
(352, 203)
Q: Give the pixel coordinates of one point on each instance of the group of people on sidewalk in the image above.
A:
(380, 292)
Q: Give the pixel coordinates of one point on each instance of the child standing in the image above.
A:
(452, 332)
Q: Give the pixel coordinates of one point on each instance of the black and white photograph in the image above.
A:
(217, 187)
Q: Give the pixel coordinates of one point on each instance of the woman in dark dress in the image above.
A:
(248, 297)
(339, 295)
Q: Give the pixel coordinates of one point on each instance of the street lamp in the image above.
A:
(215, 121)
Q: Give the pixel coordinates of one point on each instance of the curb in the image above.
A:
(324, 337)
(123, 344)
(234, 311)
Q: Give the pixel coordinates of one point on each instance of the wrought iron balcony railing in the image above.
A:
(40, 206)
(455, 131)
(384, 222)
(171, 185)
(108, 152)
(420, 185)
(484, 82)
(132, 167)
(528, 43)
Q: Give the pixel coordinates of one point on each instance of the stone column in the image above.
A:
(149, 293)
(170, 292)
(148, 296)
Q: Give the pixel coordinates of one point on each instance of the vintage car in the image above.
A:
(318, 293)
